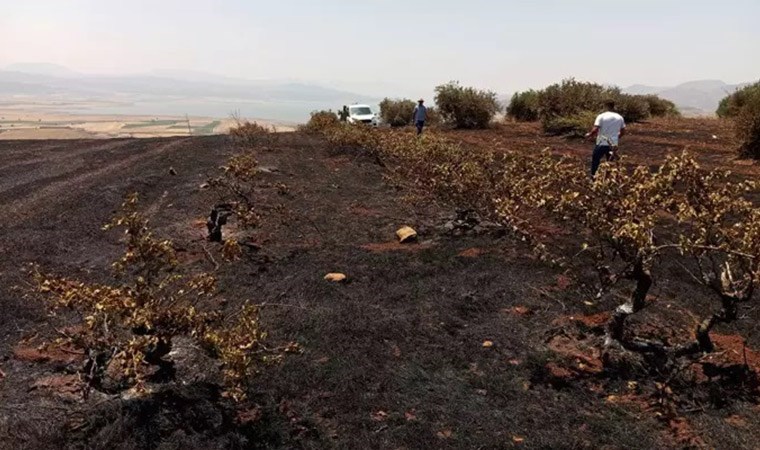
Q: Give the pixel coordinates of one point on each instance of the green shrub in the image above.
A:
(397, 113)
(633, 108)
(732, 104)
(747, 125)
(466, 107)
(433, 116)
(659, 107)
(564, 101)
(320, 121)
(574, 125)
(744, 107)
(571, 97)
(524, 106)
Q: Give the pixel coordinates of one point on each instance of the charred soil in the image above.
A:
(459, 340)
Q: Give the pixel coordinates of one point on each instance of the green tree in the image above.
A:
(466, 107)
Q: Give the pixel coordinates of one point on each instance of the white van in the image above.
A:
(362, 114)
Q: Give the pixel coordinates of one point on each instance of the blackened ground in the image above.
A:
(397, 357)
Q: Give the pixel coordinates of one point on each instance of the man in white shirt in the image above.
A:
(609, 127)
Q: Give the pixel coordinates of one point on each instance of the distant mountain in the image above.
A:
(177, 92)
(205, 77)
(47, 69)
(694, 97)
(165, 86)
(640, 89)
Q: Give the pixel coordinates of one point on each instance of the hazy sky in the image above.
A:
(505, 45)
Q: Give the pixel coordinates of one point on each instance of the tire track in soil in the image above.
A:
(20, 148)
(45, 191)
(17, 154)
(56, 221)
(53, 164)
(51, 156)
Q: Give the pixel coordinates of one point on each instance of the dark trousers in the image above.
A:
(420, 124)
(600, 151)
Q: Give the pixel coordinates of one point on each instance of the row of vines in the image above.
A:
(633, 218)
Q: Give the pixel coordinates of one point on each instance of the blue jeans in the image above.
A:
(420, 124)
(600, 151)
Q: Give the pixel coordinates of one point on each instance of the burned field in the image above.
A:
(463, 339)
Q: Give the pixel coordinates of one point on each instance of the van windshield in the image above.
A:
(360, 110)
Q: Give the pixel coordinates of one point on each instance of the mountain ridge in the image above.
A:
(696, 98)
(693, 98)
(159, 93)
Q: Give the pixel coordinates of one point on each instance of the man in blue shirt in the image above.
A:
(420, 115)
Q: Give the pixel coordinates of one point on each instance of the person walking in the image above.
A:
(420, 115)
(609, 127)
